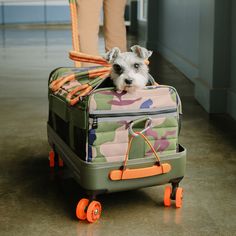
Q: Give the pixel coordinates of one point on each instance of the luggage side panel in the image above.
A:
(70, 123)
(95, 176)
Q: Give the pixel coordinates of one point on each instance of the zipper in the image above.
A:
(95, 123)
(127, 115)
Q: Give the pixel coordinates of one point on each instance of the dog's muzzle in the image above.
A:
(128, 81)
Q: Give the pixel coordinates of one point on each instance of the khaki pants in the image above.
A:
(114, 24)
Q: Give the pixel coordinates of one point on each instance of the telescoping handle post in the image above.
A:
(74, 28)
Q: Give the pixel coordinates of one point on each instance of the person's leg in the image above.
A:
(88, 24)
(114, 24)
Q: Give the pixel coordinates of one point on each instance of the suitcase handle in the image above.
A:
(140, 172)
(136, 173)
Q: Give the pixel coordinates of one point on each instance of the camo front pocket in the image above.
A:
(109, 135)
(107, 141)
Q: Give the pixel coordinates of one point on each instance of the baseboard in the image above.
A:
(213, 100)
(231, 103)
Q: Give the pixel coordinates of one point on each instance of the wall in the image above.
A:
(214, 55)
(199, 38)
(173, 29)
(231, 108)
(40, 11)
(142, 33)
(15, 12)
(141, 22)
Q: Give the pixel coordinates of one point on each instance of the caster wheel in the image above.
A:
(179, 197)
(82, 208)
(167, 200)
(94, 211)
(51, 159)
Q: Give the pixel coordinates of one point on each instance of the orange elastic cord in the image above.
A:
(98, 72)
(97, 82)
(56, 84)
(78, 56)
(127, 155)
(85, 89)
(83, 93)
(74, 26)
(150, 145)
(129, 147)
(76, 90)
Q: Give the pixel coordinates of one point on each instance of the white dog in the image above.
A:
(129, 69)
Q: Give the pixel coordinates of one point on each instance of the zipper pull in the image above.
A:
(95, 123)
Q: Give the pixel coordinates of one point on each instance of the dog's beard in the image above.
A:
(131, 89)
(137, 84)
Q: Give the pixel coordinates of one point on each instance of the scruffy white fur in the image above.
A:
(129, 70)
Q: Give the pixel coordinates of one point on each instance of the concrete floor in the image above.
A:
(34, 201)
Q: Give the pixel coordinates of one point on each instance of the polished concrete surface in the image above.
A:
(36, 201)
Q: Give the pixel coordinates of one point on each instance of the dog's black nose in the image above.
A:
(128, 81)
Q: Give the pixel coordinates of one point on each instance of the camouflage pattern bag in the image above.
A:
(111, 113)
(97, 127)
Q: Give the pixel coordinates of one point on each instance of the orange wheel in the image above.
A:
(167, 200)
(51, 158)
(81, 209)
(179, 197)
(94, 211)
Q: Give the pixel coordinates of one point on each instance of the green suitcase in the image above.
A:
(115, 141)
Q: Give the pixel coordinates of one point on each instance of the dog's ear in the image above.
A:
(141, 52)
(112, 54)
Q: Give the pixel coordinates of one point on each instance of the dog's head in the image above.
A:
(129, 69)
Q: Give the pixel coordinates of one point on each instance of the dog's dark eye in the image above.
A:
(117, 68)
(136, 65)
